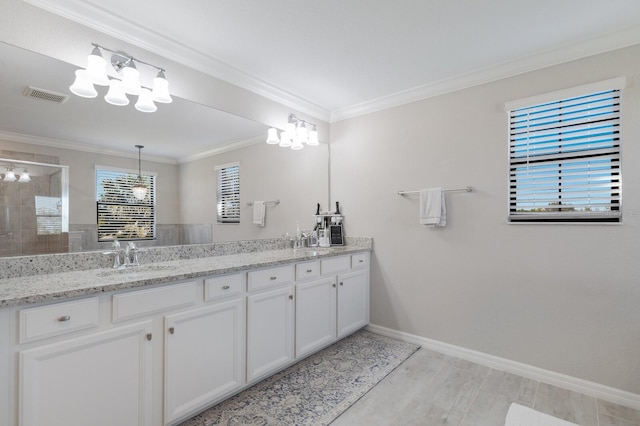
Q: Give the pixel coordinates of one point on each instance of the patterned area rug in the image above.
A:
(317, 389)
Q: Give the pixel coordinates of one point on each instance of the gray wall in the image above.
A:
(560, 297)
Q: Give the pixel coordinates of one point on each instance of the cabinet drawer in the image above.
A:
(335, 265)
(60, 318)
(359, 261)
(227, 285)
(307, 270)
(269, 277)
(146, 302)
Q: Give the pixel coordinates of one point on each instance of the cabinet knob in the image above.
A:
(291, 297)
(309, 271)
(225, 287)
(334, 286)
(172, 330)
(341, 283)
(149, 336)
(273, 278)
(64, 318)
(360, 261)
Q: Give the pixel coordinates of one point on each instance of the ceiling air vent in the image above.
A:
(46, 95)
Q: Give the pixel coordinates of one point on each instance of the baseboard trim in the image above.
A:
(586, 387)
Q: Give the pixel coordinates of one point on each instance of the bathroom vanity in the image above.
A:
(158, 343)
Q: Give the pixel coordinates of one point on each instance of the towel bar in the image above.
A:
(466, 189)
(276, 202)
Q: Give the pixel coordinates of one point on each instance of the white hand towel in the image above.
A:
(519, 415)
(432, 208)
(258, 213)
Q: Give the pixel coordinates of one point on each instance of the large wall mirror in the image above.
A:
(183, 141)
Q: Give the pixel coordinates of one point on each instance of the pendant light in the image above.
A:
(140, 189)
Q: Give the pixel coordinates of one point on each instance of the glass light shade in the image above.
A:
(82, 86)
(291, 129)
(145, 102)
(9, 176)
(285, 139)
(161, 89)
(313, 138)
(139, 191)
(97, 68)
(116, 95)
(297, 144)
(131, 79)
(272, 136)
(302, 132)
(24, 176)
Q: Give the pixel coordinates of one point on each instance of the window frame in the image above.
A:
(231, 214)
(151, 181)
(583, 156)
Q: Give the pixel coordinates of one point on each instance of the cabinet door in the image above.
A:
(353, 302)
(204, 356)
(102, 379)
(269, 331)
(315, 315)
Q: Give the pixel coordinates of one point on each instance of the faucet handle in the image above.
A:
(115, 244)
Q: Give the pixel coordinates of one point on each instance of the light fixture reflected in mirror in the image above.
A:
(24, 176)
(9, 175)
(140, 189)
(296, 135)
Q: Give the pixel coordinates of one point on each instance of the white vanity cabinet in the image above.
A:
(315, 309)
(68, 382)
(160, 354)
(204, 356)
(270, 321)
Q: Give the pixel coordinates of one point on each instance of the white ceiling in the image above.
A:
(331, 59)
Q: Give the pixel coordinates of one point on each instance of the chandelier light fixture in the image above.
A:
(139, 189)
(96, 74)
(295, 136)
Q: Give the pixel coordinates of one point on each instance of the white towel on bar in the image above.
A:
(432, 209)
(258, 213)
(519, 415)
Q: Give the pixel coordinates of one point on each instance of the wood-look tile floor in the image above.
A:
(434, 389)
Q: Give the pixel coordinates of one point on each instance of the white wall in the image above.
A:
(561, 297)
(299, 179)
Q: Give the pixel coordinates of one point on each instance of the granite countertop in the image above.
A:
(57, 286)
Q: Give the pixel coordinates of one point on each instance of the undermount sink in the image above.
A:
(133, 270)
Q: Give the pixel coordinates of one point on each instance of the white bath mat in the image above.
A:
(519, 415)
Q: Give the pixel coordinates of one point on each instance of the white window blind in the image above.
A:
(228, 193)
(120, 214)
(565, 160)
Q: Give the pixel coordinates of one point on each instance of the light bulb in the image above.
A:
(82, 86)
(97, 68)
(161, 89)
(272, 136)
(139, 191)
(116, 95)
(145, 102)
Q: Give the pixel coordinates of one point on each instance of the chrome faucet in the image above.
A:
(123, 258)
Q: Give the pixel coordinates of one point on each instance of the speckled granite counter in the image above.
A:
(56, 286)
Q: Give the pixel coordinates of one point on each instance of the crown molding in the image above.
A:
(529, 63)
(224, 148)
(119, 27)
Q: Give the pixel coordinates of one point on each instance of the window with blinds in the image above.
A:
(564, 160)
(120, 214)
(228, 193)
(48, 215)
